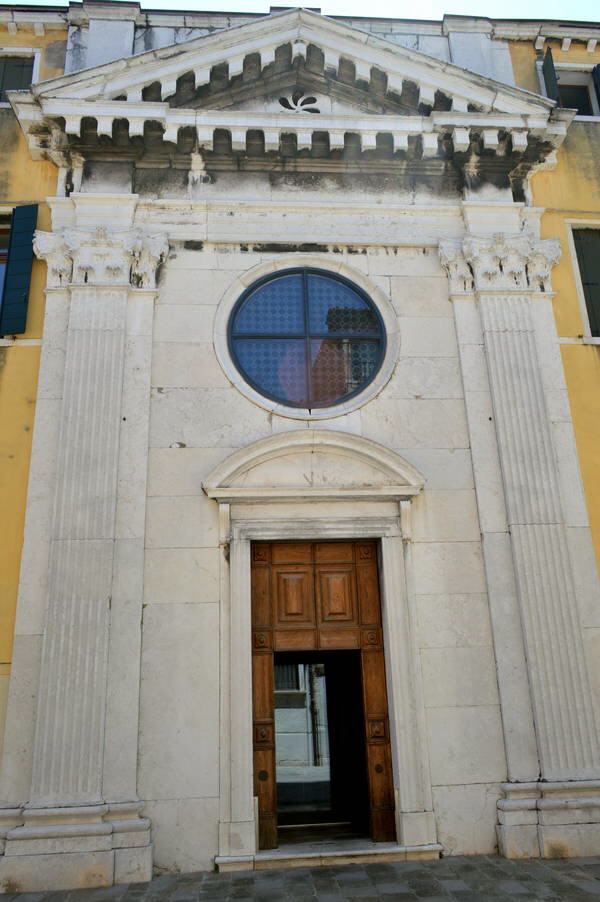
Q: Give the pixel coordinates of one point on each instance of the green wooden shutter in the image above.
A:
(550, 77)
(15, 295)
(587, 245)
(596, 80)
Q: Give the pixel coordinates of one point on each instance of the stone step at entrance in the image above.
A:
(323, 853)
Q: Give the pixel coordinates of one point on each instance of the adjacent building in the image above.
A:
(301, 427)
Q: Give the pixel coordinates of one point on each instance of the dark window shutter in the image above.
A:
(596, 80)
(550, 76)
(587, 245)
(15, 296)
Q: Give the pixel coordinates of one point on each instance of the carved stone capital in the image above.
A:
(500, 262)
(52, 247)
(101, 257)
(149, 251)
(458, 270)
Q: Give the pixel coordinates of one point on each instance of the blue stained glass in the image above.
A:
(276, 365)
(306, 338)
(335, 307)
(276, 308)
(340, 366)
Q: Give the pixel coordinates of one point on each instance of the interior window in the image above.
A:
(576, 97)
(15, 74)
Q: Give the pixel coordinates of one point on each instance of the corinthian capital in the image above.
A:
(148, 253)
(459, 272)
(500, 262)
(101, 257)
(51, 247)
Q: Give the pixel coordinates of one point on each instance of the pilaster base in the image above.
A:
(74, 848)
(238, 838)
(549, 820)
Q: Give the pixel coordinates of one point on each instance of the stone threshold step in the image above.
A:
(334, 854)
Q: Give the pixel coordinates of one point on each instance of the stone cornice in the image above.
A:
(500, 263)
(486, 117)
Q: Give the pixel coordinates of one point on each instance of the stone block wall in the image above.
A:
(197, 419)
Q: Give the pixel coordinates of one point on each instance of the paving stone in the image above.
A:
(512, 887)
(387, 889)
(592, 888)
(458, 879)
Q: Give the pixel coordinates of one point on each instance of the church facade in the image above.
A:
(307, 552)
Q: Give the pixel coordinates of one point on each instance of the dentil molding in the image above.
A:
(102, 256)
(500, 262)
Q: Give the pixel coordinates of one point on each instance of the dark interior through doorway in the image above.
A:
(321, 760)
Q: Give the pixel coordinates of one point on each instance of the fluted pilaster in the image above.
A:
(506, 274)
(100, 267)
(568, 732)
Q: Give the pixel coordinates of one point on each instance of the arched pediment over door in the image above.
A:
(319, 464)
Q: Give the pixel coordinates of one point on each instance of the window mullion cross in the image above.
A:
(307, 369)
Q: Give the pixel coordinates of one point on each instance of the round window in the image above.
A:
(306, 338)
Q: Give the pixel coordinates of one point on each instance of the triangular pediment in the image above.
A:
(281, 38)
(255, 77)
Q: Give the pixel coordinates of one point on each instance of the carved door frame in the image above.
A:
(415, 826)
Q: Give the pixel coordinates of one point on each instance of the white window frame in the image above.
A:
(578, 74)
(572, 225)
(35, 52)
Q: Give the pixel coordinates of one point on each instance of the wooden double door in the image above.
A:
(320, 596)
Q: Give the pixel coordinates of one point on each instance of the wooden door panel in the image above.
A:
(383, 825)
(379, 759)
(334, 553)
(291, 553)
(368, 593)
(366, 551)
(374, 683)
(336, 594)
(293, 591)
(262, 683)
(382, 795)
(265, 789)
(339, 638)
(295, 640)
(261, 552)
(261, 597)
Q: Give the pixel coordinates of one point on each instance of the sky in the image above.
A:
(579, 10)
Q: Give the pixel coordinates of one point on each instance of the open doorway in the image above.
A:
(320, 751)
(316, 608)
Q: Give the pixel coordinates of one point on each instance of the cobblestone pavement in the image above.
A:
(477, 879)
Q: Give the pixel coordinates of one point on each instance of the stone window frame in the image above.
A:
(572, 225)
(35, 52)
(380, 300)
(581, 73)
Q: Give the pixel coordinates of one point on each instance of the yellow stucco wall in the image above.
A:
(572, 192)
(21, 180)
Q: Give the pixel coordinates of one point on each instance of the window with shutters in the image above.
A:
(587, 248)
(16, 73)
(16, 257)
(574, 86)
